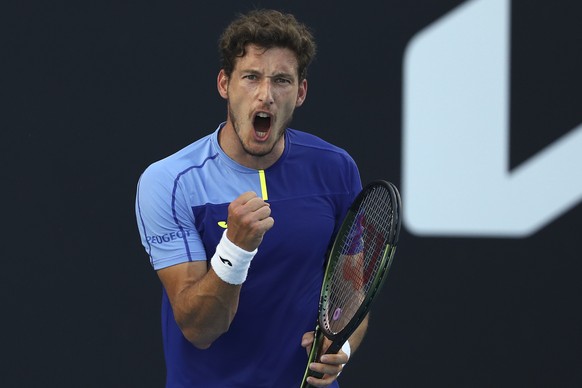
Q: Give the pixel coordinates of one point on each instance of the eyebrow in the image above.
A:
(282, 74)
(276, 75)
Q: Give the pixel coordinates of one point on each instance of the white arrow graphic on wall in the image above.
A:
(456, 178)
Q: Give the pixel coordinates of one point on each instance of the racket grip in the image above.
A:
(314, 355)
(317, 346)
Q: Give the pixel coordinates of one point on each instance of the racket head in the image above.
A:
(359, 260)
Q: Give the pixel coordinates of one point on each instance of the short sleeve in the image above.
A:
(165, 220)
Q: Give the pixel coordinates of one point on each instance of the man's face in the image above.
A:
(262, 93)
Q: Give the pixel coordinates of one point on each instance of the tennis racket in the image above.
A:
(357, 267)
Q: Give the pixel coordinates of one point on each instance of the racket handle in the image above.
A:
(314, 355)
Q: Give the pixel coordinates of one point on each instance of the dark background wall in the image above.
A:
(95, 91)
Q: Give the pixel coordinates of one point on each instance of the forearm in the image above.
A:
(358, 335)
(203, 304)
(207, 309)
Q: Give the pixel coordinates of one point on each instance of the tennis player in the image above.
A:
(238, 223)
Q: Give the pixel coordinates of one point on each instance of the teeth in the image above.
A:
(261, 134)
(262, 115)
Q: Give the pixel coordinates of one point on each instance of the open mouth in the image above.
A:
(262, 123)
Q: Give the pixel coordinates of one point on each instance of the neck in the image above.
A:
(233, 147)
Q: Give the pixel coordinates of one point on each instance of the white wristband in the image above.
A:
(347, 350)
(230, 262)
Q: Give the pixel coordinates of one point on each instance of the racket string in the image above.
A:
(360, 256)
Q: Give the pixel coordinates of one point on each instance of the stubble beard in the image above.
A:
(245, 146)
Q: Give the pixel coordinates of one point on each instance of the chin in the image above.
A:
(258, 151)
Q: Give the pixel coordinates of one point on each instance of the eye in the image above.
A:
(251, 77)
(281, 80)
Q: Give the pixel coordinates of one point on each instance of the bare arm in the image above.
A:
(358, 336)
(203, 304)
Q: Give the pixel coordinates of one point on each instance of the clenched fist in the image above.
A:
(249, 218)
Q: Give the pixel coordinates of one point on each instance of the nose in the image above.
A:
(265, 92)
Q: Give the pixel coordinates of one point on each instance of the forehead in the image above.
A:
(274, 59)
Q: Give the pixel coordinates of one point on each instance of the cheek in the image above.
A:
(285, 98)
(237, 101)
(289, 105)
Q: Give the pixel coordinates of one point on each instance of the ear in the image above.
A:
(222, 84)
(301, 93)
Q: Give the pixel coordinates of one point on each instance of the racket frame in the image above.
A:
(339, 338)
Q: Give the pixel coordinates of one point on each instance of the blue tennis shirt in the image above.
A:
(181, 209)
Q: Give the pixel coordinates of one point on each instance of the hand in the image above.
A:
(249, 218)
(330, 365)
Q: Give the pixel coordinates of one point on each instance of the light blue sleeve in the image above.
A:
(165, 219)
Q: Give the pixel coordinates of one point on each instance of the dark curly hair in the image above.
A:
(266, 28)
